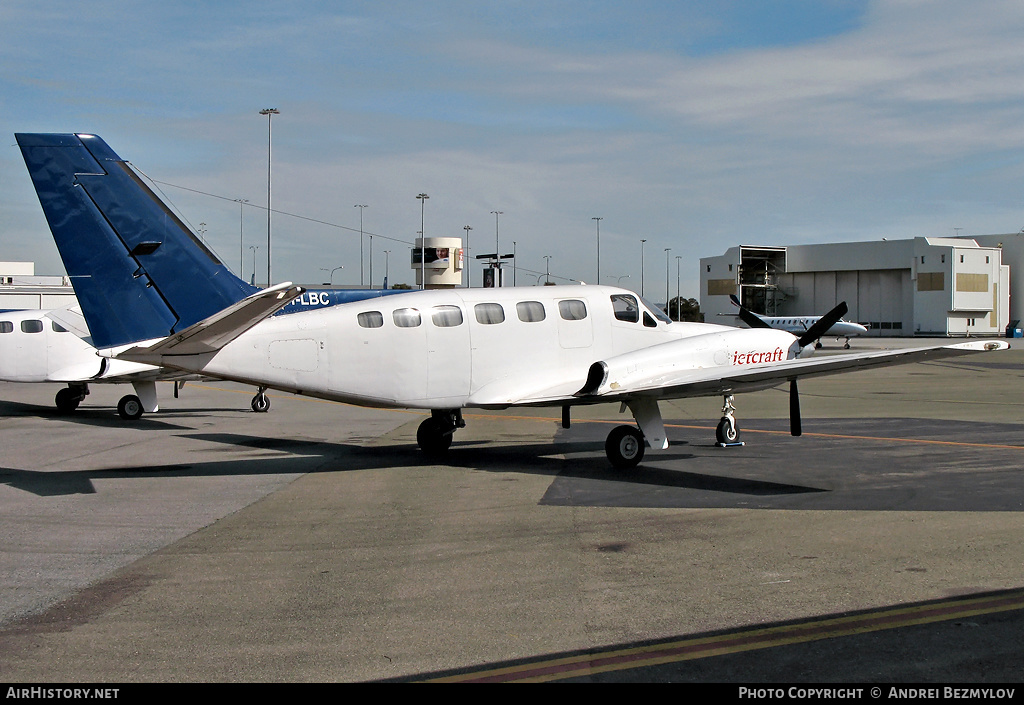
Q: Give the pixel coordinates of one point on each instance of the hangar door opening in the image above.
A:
(760, 268)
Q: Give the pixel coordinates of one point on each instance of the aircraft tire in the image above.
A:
(130, 408)
(67, 400)
(433, 436)
(727, 431)
(261, 403)
(625, 447)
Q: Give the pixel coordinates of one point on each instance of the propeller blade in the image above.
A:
(795, 428)
(823, 324)
(751, 319)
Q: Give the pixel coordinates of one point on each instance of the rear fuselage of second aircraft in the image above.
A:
(455, 348)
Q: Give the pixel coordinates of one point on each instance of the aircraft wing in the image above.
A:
(213, 333)
(621, 383)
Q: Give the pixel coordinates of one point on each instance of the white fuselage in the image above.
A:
(460, 348)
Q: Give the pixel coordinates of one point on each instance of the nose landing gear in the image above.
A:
(728, 433)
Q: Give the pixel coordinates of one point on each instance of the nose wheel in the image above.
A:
(728, 433)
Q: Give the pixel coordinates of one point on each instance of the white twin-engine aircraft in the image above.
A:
(496, 348)
(136, 270)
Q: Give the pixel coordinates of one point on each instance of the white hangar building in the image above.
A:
(924, 286)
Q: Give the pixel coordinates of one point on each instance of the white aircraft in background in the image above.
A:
(798, 325)
(441, 350)
(48, 346)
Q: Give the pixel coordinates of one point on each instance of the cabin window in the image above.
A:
(371, 319)
(530, 311)
(406, 317)
(572, 310)
(57, 327)
(446, 316)
(31, 326)
(6, 327)
(649, 321)
(626, 308)
(489, 314)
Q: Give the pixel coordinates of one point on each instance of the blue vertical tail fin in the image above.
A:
(139, 273)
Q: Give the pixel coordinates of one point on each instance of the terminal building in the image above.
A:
(22, 288)
(947, 287)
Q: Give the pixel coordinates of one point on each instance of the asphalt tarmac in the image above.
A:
(208, 543)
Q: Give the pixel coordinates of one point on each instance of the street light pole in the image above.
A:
(361, 207)
(678, 261)
(423, 244)
(497, 251)
(465, 257)
(269, 112)
(253, 248)
(241, 246)
(598, 249)
(642, 267)
(667, 293)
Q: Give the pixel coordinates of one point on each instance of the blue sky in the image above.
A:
(694, 125)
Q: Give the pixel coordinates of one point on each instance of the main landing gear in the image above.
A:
(434, 435)
(261, 402)
(624, 447)
(68, 399)
(130, 407)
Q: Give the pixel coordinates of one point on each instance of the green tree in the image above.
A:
(680, 309)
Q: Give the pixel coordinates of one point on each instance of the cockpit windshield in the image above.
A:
(656, 312)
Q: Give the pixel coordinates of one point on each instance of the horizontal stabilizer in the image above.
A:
(213, 333)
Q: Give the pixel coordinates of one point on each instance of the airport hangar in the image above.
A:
(925, 286)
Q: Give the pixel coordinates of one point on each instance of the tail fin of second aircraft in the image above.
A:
(139, 273)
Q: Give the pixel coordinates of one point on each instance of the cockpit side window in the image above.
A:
(656, 312)
(625, 308)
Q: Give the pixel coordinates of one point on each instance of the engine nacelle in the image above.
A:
(741, 349)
